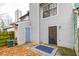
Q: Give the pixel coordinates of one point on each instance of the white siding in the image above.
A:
(21, 32)
(64, 19)
(65, 35)
(34, 17)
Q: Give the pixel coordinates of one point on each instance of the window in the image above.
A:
(49, 10)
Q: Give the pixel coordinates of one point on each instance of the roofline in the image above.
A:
(22, 21)
(27, 14)
(8, 27)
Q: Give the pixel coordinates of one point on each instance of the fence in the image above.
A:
(4, 36)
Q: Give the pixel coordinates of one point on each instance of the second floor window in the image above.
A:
(49, 10)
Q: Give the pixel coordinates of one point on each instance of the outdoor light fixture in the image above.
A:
(59, 27)
(76, 11)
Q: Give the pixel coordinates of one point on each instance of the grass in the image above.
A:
(66, 51)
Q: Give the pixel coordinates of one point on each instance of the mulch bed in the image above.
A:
(17, 51)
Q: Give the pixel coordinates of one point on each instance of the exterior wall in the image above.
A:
(65, 35)
(34, 17)
(20, 34)
(64, 19)
(26, 18)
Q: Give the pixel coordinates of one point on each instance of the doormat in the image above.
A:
(46, 50)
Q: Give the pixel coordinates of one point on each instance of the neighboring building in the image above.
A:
(8, 29)
(78, 41)
(76, 27)
(22, 32)
(22, 29)
(18, 14)
(75, 32)
(24, 17)
(76, 5)
(52, 23)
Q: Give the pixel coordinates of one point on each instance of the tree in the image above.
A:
(1, 24)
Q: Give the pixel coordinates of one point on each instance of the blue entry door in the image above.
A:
(27, 34)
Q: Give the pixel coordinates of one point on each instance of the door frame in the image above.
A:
(56, 33)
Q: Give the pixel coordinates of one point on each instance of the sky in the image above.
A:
(10, 8)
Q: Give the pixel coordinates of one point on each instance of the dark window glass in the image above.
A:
(50, 10)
